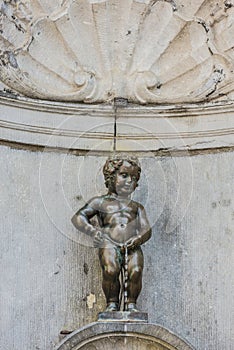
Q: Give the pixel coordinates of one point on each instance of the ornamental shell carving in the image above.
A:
(148, 51)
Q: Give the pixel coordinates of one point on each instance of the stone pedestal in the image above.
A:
(122, 335)
(123, 316)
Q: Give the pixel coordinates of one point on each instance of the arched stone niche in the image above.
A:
(132, 336)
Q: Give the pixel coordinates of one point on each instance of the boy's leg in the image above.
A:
(110, 263)
(135, 268)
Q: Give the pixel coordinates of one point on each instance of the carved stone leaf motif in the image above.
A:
(156, 51)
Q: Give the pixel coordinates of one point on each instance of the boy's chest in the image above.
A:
(110, 211)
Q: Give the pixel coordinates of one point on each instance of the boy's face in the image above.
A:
(126, 179)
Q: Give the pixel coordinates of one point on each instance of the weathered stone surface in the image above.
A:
(110, 336)
(71, 127)
(50, 273)
(175, 128)
(146, 51)
(57, 126)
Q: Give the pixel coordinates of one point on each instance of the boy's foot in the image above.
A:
(112, 307)
(131, 307)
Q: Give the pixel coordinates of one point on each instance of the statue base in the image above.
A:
(122, 335)
(123, 316)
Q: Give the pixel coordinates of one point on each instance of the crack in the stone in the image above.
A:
(204, 25)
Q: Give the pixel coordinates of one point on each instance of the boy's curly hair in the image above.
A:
(113, 164)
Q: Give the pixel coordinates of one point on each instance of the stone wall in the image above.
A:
(79, 80)
(50, 275)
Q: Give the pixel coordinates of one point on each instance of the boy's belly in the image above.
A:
(121, 232)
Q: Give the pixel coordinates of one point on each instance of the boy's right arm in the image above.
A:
(81, 220)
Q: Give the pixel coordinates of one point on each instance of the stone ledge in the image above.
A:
(123, 316)
(101, 128)
(107, 109)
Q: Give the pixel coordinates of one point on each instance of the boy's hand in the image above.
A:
(133, 242)
(98, 239)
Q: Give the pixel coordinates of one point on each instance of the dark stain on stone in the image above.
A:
(159, 85)
(120, 102)
(225, 202)
(86, 269)
(204, 25)
(12, 59)
(228, 4)
(8, 58)
(211, 52)
(65, 331)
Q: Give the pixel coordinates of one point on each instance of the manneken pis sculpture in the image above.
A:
(124, 227)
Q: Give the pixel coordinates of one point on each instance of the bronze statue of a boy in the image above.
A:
(123, 227)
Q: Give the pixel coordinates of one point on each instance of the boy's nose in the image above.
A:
(129, 179)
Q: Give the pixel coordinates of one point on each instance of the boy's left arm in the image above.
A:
(144, 229)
